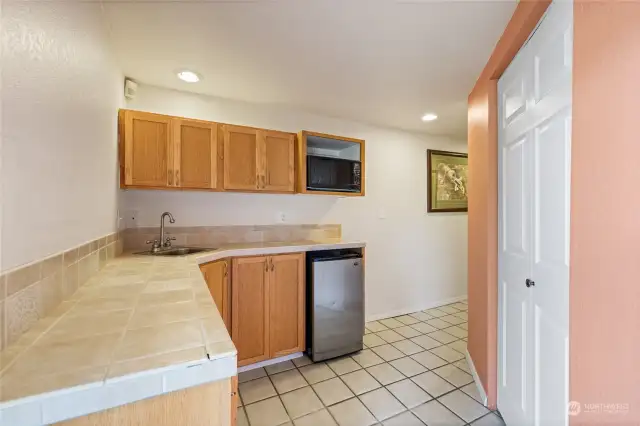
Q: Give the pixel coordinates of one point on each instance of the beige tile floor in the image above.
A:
(412, 372)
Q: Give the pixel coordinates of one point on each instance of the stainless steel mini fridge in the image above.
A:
(335, 303)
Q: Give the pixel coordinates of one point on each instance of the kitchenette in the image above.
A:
(164, 317)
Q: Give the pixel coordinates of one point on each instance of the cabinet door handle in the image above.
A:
(266, 266)
(177, 177)
(226, 269)
(272, 265)
(170, 177)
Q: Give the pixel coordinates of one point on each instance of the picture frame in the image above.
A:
(447, 181)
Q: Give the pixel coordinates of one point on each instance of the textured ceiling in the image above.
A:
(380, 62)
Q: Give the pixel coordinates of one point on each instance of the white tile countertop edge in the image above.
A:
(222, 253)
(68, 403)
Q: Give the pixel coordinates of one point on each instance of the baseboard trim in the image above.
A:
(412, 310)
(269, 362)
(476, 379)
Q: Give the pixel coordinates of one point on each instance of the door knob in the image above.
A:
(529, 283)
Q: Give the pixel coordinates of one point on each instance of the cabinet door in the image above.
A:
(195, 152)
(240, 158)
(216, 274)
(250, 309)
(276, 161)
(286, 304)
(147, 145)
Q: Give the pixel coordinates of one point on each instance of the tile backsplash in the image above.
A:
(214, 236)
(31, 292)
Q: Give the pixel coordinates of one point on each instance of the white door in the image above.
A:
(534, 146)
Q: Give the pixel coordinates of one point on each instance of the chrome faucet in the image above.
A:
(164, 242)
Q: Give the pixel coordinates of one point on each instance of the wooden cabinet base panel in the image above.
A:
(205, 405)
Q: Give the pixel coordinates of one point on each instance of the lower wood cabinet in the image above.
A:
(267, 306)
(250, 308)
(216, 274)
(286, 304)
(262, 302)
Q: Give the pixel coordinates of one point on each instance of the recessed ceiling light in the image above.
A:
(429, 117)
(188, 76)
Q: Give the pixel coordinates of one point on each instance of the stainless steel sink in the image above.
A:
(176, 251)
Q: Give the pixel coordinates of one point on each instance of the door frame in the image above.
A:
(483, 132)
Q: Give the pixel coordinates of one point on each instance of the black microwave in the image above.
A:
(332, 174)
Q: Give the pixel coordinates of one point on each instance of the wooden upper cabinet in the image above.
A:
(147, 149)
(250, 308)
(195, 153)
(216, 274)
(286, 304)
(240, 157)
(258, 160)
(159, 151)
(277, 161)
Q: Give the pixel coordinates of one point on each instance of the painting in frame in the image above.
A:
(447, 181)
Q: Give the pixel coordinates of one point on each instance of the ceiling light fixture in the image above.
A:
(188, 76)
(429, 117)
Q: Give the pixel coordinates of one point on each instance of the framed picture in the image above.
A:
(447, 181)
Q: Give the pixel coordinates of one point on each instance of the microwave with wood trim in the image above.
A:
(332, 174)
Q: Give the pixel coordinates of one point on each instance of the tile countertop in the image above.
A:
(141, 327)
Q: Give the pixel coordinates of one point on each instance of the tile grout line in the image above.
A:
(358, 395)
(410, 378)
(456, 388)
(278, 395)
(324, 407)
(428, 369)
(405, 377)
(355, 394)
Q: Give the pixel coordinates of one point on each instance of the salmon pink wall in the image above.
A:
(483, 234)
(605, 213)
(483, 197)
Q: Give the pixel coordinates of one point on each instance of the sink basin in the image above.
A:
(176, 251)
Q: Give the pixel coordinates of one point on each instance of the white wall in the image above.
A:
(413, 259)
(60, 96)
